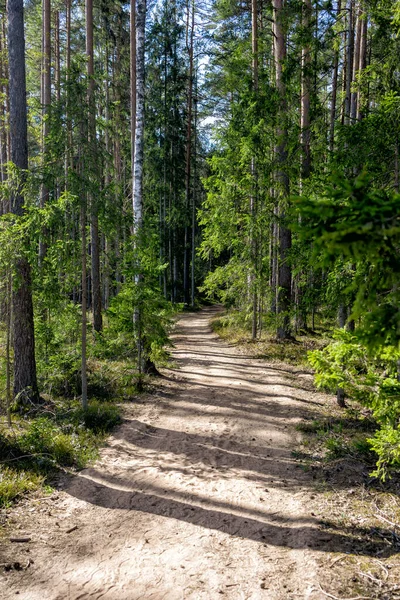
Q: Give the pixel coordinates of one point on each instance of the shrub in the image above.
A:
(368, 375)
(100, 417)
(15, 483)
(386, 444)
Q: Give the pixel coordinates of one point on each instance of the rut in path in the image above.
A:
(196, 495)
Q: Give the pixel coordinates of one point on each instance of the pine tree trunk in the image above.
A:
(306, 86)
(94, 218)
(25, 382)
(284, 237)
(363, 59)
(349, 61)
(334, 89)
(4, 202)
(68, 142)
(253, 203)
(84, 398)
(138, 153)
(305, 136)
(46, 105)
(194, 199)
(57, 56)
(189, 48)
(133, 84)
(356, 64)
(107, 181)
(8, 346)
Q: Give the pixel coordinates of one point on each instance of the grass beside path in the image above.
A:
(58, 436)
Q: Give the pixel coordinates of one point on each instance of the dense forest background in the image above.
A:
(172, 152)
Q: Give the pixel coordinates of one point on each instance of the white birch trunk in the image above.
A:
(139, 130)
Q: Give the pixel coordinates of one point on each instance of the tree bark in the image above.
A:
(356, 64)
(138, 164)
(306, 85)
(4, 115)
(84, 398)
(192, 294)
(334, 90)
(284, 235)
(25, 381)
(94, 217)
(363, 60)
(46, 105)
(133, 85)
(139, 129)
(189, 48)
(349, 61)
(253, 196)
(57, 55)
(305, 138)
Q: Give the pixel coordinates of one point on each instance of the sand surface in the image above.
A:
(196, 496)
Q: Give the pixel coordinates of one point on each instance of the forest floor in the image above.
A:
(202, 494)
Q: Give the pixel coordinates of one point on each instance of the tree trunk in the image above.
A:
(139, 129)
(305, 135)
(138, 153)
(356, 64)
(340, 398)
(25, 382)
(189, 48)
(46, 105)
(194, 199)
(57, 56)
(84, 398)
(253, 196)
(284, 236)
(8, 346)
(4, 115)
(363, 60)
(133, 85)
(349, 61)
(306, 86)
(94, 218)
(334, 89)
(68, 142)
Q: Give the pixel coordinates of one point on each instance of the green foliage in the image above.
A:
(370, 377)
(355, 229)
(66, 436)
(156, 320)
(226, 283)
(341, 364)
(15, 483)
(100, 417)
(354, 223)
(386, 444)
(336, 447)
(52, 446)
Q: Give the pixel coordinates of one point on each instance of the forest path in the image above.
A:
(196, 496)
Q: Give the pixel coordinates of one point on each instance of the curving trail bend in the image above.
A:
(196, 496)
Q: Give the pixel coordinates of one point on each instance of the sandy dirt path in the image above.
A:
(196, 496)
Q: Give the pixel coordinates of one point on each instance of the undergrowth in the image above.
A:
(58, 436)
(335, 437)
(235, 328)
